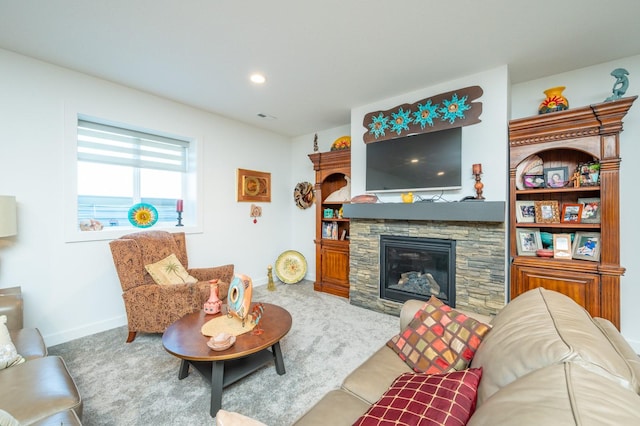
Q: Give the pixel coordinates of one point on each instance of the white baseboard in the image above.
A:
(84, 330)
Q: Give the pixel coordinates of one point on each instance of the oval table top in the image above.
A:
(185, 340)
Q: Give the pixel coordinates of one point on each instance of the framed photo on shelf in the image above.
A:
(556, 177)
(525, 211)
(533, 181)
(562, 246)
(590, 210)
(571, 213)
(528, 241)
(589, 173)
(586, 246)
(547, 211)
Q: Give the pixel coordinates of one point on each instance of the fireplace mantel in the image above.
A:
(459, 211)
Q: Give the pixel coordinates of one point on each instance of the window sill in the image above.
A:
(113, 233)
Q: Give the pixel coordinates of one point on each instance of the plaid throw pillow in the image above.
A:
(426, 400)
(439, 339)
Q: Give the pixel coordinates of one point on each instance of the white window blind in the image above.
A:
(102, 143)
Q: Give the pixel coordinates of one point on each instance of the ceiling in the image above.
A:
(320, 58)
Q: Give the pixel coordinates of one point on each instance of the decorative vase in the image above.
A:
(214, 304)
(554, 101)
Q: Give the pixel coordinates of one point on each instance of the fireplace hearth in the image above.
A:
(417, 268)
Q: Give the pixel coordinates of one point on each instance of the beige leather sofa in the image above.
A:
(39, 391)
(545, 362)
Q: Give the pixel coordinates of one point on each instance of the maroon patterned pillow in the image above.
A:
(426, 400)
(439, 339)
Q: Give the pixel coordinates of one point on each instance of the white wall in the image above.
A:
(71, 289)
(584, 87)
(485, 142)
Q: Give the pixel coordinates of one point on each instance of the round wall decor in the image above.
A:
(303, 195)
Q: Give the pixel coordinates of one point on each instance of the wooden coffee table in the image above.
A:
(184, 339)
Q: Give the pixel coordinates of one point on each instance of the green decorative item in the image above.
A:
(554, 101)
(620, 86)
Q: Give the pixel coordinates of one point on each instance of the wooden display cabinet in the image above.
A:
(566, 139)
(332, 233)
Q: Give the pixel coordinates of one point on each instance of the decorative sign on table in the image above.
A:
(444, 111)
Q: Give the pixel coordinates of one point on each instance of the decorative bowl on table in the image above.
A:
(221, 341)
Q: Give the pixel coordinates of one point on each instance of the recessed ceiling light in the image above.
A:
(258, 78)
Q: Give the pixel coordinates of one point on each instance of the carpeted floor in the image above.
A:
(137, 383)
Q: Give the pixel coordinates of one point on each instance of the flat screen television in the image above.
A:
(422, 162)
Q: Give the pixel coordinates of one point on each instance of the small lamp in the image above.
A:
(8, 222)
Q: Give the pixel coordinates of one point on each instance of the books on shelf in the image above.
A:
(330, 230)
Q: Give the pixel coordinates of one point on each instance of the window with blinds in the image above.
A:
(119, 167)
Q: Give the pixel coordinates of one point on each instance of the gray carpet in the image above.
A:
(137, 383)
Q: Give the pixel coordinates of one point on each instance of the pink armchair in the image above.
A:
(150, 307)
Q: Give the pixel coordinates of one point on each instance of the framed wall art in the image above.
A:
(525, 211)
(253, 186)
(547, 211)
(590, 210)
(528, 241)
(571, 213)
(556, 177)
(586, 246)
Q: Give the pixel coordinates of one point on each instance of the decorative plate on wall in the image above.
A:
(291, 267)
(303, 195)
(143, 215)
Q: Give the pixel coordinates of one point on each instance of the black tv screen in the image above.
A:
(426, 161)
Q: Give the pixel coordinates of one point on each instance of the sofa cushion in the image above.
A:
(169, 271)
(438, 339)
(426, 399)
(9, 355)
(540, 328)
(374, 376)
(336, 407)
(560, 394)
(48, 384)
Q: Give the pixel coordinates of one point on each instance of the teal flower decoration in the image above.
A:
(425, 114)
(401, 120)
(378, 125)
(454, 108)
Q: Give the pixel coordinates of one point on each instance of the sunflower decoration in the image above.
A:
(454, 109)
(143, 215)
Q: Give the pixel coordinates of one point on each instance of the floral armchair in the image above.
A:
(151, 307)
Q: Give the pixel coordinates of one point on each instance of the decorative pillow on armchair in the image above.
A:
(426, 400)
(8, 354)
(439, 339)
(169, 271)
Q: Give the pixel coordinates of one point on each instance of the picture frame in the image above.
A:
(590, 209)
(547, 211)
(556, 177)
(562, 246)
(589, 173)
(253, 185)
(525, 211)
(528, 241)
(533, 181)
(571, 213)
(586, 246)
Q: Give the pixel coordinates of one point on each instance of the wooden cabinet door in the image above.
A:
(583, 288)
(335, 268)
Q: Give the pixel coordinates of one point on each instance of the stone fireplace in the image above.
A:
(417, 268)
(475, 229)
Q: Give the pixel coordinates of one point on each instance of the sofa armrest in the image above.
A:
(29, 343)
(11, 305)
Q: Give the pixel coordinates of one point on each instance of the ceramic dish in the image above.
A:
(220, 345)
(143, 215)
(291, 267)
